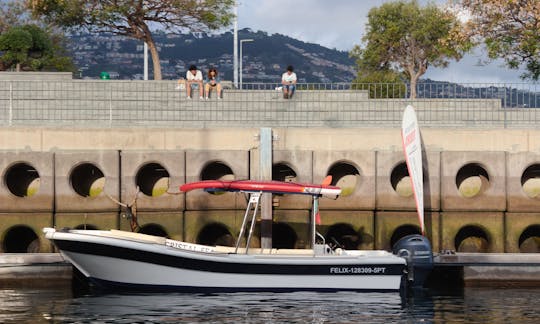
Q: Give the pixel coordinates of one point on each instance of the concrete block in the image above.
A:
(27, 181)
(86, 181)
(23, 232)
(354, 229)
(220, 227)
(290, 229)
(391, 226)
(171, 223)
(156, 173)
(353, 171)
(293, 166)
(213, 165)
(474, 231)
(91, 221)
(523, 182)
(515, 227)
(394, 189)
(474, 181)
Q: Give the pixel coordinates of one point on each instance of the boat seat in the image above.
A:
(231, 249)
(137, 236)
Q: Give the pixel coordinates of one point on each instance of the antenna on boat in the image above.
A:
(412, 148)
(315, 216)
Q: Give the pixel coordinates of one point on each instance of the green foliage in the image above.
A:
(30, 47)
(404, 38)
(510, 30)
(12, 13)
(133, 18)
(384, 83)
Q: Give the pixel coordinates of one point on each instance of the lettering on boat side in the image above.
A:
(188, 246)
(357, 270)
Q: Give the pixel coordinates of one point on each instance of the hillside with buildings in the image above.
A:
(264, 59)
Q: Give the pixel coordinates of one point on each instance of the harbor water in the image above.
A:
(469, 305)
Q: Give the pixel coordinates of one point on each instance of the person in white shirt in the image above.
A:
(288, 80)
(194, 79)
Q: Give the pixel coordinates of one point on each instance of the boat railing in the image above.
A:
(253, 202)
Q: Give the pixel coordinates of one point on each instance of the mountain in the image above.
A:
(264, 59)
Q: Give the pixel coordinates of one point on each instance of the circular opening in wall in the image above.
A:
(215, 234)
(21, 239)
(217, 171)
(153, 229)
(283, 172)
(86, 227)
(403, 231)
(345, 176)
(472, 239)
(283, 236)
(345, 236)
(530, 181)
(400, 180)
(22, 180)
(87, 180)
(472, 180)
(152, 179)
(529, 240)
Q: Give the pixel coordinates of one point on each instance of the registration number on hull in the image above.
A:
(357, 270)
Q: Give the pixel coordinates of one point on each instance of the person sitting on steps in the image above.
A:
(194, 79)
(288, 80)
(213, 83)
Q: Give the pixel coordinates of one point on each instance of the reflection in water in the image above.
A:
(472, 305)
(33, 305)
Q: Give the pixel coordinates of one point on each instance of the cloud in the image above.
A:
(335, 24)
(341, 24)
(475, 68)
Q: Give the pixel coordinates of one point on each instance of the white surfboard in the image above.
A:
(412, 148)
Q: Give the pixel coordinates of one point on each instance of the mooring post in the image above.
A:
(265, 173)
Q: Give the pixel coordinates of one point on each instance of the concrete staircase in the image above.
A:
(159, 103)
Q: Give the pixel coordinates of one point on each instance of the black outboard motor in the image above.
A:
(416, 249)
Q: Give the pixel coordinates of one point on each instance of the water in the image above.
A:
(472, 305)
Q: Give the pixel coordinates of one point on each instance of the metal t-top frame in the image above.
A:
(253, 203)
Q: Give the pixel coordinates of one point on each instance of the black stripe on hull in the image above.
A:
(228, 267)
(106, 286)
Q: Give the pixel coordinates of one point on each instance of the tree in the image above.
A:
(29, 47)
(381, 81)
(29, 44)
(510, 30)
(11, 13)
(406, 38)
(134, 18)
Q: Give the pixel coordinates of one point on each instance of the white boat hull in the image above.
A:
(112, 260)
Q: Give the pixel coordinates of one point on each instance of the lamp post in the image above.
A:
(235, 45)
(242, 41)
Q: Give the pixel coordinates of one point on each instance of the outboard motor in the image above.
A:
(416, 249)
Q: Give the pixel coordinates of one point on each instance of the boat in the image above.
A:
(122, 260)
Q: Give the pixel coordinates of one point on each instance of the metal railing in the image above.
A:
(159, 103)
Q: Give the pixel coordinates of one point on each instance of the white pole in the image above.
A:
(235, 45)
(241, 62)
(265, 173)
(145, 61)
(242, 41)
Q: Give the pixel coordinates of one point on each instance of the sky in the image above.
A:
(341, 24)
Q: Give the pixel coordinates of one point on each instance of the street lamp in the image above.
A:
(241, 58)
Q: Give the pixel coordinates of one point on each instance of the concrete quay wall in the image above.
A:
(482, 189)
